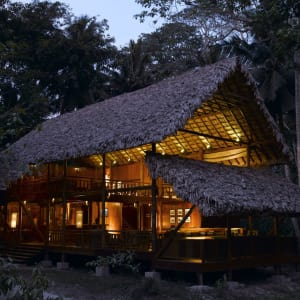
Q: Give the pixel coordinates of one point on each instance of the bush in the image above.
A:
(124, 262)
(118, 262)
(14, 287)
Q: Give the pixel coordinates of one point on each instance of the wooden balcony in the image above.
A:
(42, 188)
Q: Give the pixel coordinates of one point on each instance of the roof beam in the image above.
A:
(213, 137)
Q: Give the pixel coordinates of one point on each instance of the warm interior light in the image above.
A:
(208, 146)
(24, 202)
(79, 218)
(53, 200)
(182, 150)
(68, 210)
(114, 162)
(13, 221)
(77, 170)
(86, 203)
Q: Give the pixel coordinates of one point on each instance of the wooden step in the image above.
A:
(25, 253)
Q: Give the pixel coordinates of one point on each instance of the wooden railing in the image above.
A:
(43, 186)
(208, 249)
(93, 239)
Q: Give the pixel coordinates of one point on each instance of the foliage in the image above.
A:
(124, 262)
(99, 261)
(118, 262)
(172, 49)
(14, 287)
(222, 283)
(131, 68)
(50, 62)
(259, 20)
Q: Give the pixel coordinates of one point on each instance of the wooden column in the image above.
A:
(154, 203)
(20, 219)
(297, 107)
(64, 198)
(103, 200)
(229, 246)
(248, 156)
(297, 110)
(47, 214)
(6, 228)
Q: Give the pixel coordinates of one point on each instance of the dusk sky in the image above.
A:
(119, 13)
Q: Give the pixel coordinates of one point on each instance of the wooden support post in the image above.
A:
(276, 234)
(297, 107)
(48, 214)
(229, 244)
(199, 278)
(297, 110)
(20, 219)
(103, 201)
(6, 227)
(153, 191)
(250, 223)
(64, 198)
(248, 156)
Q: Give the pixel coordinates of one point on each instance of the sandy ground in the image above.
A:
(74, 284)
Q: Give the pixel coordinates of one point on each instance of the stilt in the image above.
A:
(277, 269)
(229, 275)
(200, 278)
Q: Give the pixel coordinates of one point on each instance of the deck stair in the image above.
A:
(25, 253)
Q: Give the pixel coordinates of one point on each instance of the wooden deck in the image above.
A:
(191, 254)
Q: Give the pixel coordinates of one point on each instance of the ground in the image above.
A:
(263, 284)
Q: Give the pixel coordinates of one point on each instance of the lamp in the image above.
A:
(13, 221)
(79, 218)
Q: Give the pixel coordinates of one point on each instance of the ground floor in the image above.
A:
(198, 244)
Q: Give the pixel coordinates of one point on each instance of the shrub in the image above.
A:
(99, 261)
(14, 287)
(124, 262)
(118, 262)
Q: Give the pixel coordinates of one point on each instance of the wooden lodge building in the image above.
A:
(178, 171)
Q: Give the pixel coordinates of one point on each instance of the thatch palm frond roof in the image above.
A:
(219, 189)
(138, 118)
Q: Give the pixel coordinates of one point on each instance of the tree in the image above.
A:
(173, 48)
(25, 33)
(82, 74)
(261, 20)
(50, 62)
(130, 68)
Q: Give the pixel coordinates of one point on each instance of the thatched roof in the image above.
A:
(145, 116)
(219, 189)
